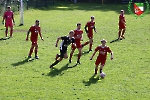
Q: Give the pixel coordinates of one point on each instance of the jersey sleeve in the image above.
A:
(31, 28)
(97, 48)
(108, 50)
(63, 37)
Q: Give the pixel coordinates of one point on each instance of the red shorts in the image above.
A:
(34, 41)
(98, 61)
(121, 26)
(8, 24)
(78, 44)
(90, 35)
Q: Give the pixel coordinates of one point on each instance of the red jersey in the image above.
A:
(103, 49)
(121, 17)
(8, 16)
(90, 26)
(78, 34)
(34, 32)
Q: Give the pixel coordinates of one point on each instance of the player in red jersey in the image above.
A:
(9, 20)
(122, 25)
(91, 26)
(35, 30)
(102, 49)
(78, 37)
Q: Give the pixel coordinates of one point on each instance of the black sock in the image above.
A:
(56, 62)
(100, 70)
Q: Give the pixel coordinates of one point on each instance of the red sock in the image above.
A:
(79, 56)
(119, 33)
(35, 52)
(90, 46)
(31, 50)
(86, 43)
(123, 32)
(11, 32)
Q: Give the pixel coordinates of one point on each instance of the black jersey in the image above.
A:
(66, 41)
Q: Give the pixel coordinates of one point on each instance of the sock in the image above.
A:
(123, 32)
(96, 71)
(70, 56)
(86, 43)
(100, 70)
(56, 62)
(6, 32)
(31, 50)
(35, 52)
(90, 46)
(119, 33)
(11, 32)
(79, 56)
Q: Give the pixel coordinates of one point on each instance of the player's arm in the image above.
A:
(86, 29)
(57, 41)
(40, 34)
(27, 35)
(3, 18)
(93, 55)
(112, 55)
(94, 29)
(13, 18)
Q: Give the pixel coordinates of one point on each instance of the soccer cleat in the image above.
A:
(69, 60)
(36, 57)
(90, 50)
(78, 62)
(29, 57)
(51, 66)
(123, 36)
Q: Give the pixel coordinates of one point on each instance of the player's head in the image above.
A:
(103, 41)
(37, 22)
(71, 33)
(92, 18)
(122, 11)
(8, 7)
(78, 25)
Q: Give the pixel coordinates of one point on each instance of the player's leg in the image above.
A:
(119, 33)
(62, 55)
(102, 65)
(11, 31)
(31, 50)
(91, 43)
(57, 56)
(79, 55)
(97, 62)
(123, 31)
(73, 47)
(56, 62)
(36, 51)
(6, 31)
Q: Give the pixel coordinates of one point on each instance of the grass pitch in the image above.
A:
(127, 76)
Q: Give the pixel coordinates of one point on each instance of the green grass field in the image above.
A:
(127, 76)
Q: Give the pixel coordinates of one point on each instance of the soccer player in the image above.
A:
(102, 49)
(66, 41)
(78, 38)
(35, 30)
(89, 27)
(122, 25)
(9, 20)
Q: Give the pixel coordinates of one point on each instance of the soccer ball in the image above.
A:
(102, 75)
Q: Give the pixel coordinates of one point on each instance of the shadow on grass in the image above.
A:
(2, 39)
(92, 80)
(83, 53)
(54, 71)
(20, 62)
(116, 40)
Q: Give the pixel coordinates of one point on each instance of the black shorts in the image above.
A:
(63, 50)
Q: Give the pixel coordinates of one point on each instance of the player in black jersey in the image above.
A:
(66, 41)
